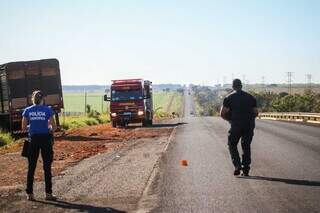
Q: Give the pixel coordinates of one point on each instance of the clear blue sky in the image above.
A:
(166, 41)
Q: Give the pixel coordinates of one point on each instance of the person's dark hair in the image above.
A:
(37, 97)
(236, 84)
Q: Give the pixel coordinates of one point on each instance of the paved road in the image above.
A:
(285, 174)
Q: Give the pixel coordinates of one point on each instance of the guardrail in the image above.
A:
(291, 116)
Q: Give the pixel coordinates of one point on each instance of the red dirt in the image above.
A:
(70, 148)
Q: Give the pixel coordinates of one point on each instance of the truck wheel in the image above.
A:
(114, 124)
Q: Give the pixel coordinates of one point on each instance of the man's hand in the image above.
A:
(255, 112)
(224, 113)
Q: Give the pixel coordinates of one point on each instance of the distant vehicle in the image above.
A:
(131, 101)
(17, 82)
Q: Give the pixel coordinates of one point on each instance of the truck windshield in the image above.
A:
(125, 95)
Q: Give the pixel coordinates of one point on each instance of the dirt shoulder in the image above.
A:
(123, 158)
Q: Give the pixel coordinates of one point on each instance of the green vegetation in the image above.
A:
(5, 139)
(176, 104)
(208, 102)
(71, 122)
(75, 102)
(165, 103)
(92, 117)
(283, 102)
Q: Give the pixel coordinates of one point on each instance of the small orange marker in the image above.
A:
(184, 163)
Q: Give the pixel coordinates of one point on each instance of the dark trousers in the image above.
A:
(43, 143)
(245, 133)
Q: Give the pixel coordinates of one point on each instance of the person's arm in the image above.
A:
(24, 125)
(225, 109)
(255, 111)
(255, 108)
(25, 121)
(52, 124)
(223, 112)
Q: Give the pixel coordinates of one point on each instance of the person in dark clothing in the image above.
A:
(38, 119)
(240, 109)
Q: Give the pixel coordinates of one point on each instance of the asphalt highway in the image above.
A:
(285, 175)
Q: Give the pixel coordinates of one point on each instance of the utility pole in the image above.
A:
(224, 81)
(244, 81)
(289, 76)
(308, 81)
(263, 83)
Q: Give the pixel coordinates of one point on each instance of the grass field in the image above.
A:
(167, 102)
(76, 102)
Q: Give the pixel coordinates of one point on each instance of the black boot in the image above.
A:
(237, 171)
(245, 171)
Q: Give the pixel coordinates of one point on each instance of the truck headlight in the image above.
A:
(113, 114)
(140, 113)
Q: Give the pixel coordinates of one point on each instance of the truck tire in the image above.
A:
(144, 122)
(114, 124)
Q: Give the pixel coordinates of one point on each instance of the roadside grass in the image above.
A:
(198, 108)
(162, 101)
(176, 105)
(71, 122)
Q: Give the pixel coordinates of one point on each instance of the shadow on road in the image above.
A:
(80, 207)
(283, 180)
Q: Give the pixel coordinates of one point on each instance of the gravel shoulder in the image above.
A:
(112, 181)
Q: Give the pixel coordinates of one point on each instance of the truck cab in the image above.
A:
(130, 102)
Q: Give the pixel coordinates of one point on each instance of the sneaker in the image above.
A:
(236, 172)
(50, 197)
(30, 197)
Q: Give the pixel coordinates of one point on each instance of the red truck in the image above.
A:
(130, 102)
(17, 82)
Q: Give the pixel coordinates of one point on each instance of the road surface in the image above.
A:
(285, 175)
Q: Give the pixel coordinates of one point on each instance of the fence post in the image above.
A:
(85, 102)
(102, 105)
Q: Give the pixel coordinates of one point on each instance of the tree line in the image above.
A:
(284, 102)
(210, 101)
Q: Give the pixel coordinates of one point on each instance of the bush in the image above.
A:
(5, 139)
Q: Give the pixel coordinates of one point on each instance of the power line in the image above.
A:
(308, 81)
(289, 75)
(263, 83)
(224, 79)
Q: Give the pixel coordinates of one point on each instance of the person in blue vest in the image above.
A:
(38, 120)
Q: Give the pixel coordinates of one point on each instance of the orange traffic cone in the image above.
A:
(184, 163)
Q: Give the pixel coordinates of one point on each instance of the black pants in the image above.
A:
(245, 132)
(43, 143)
